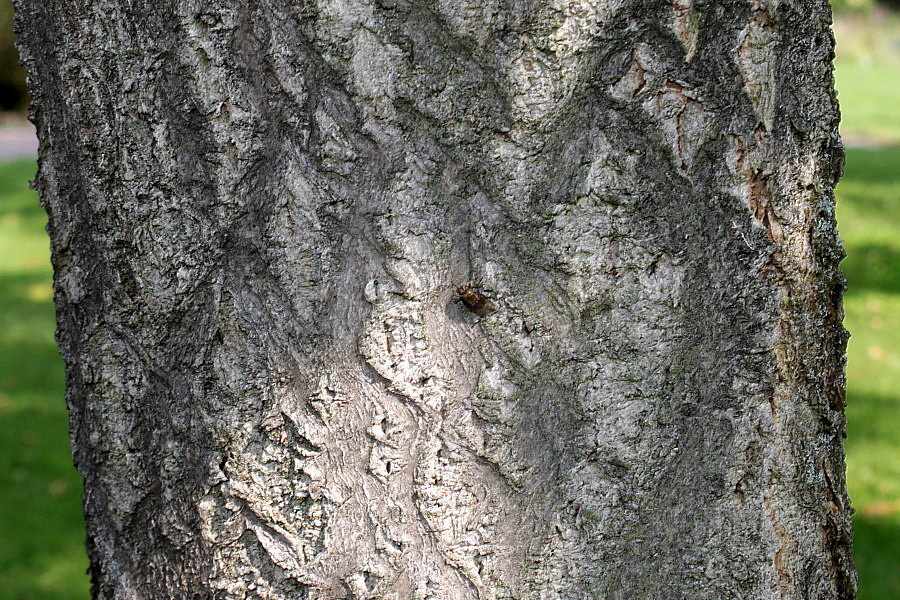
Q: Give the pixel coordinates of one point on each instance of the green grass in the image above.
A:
(867, 72)
(42, 552)
(868, 96)
(869, 217)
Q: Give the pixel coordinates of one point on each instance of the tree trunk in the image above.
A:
(261, 215)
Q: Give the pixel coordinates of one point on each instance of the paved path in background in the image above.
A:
(18, 141)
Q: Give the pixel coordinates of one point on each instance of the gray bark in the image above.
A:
(261, 213)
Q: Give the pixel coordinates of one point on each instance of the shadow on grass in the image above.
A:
(877, 564)
(872, 165)
(872, 268)
(872, 418)
(868, 199)
(869, 193)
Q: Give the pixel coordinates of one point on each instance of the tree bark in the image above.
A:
(261, 214)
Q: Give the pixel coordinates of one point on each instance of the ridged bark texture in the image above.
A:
(260, 214)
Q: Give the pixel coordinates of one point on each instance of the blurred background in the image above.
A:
(41, 530)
